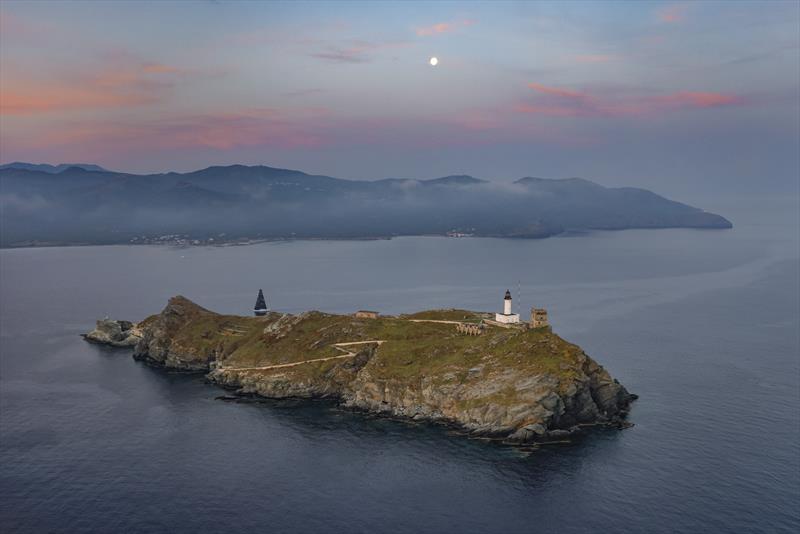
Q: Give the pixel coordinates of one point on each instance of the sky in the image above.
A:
(670, 96)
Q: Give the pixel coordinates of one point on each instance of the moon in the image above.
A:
(434, 61)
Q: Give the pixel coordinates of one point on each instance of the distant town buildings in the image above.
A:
(366, 314)
(458, 234)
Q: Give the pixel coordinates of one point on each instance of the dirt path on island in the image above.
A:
(433, 321)
(338, 346)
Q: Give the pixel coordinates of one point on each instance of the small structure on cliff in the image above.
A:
(470, 329)
(366, 314)
(261, 305)
(507, 317)
(539, 318)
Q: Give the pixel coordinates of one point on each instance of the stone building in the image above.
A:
(470, 329)
(539, 318)
(366, 314)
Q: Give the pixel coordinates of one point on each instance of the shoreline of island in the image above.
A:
(197, 243)
(514, 383)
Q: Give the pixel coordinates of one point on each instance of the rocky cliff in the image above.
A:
(114, 333)
(518, 384)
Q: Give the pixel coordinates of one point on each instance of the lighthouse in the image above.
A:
(261, 304)
(507, 317)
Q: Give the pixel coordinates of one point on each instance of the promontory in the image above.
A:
(512, 382)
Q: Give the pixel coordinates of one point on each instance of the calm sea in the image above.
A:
(703, 325)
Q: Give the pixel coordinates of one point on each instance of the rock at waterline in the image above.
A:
(114, 333)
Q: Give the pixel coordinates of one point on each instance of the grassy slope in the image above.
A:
(447, 315)
(412, 350)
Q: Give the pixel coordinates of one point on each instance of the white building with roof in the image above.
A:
(507, 317)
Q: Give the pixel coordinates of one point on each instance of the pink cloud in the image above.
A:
(219, 131)
(354, 54)
(551, 110)
(698, 100)
(672, 13)
(554, 91)
(356, 51)
(116, 87)
(123, 82)
(559, 102)
(443, 27)
(226, 131)
(159, 68)
(594, 58)
(270, 130)
(34, 100)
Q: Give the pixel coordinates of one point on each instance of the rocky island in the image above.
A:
(455, 367)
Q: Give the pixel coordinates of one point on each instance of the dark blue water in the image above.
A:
(703, 325)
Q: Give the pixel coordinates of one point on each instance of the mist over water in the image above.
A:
(703, 325)
(226, 204)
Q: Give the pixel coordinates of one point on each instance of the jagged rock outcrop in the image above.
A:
(521, 385)
(175, 338)
(539, 404)
(114, 333)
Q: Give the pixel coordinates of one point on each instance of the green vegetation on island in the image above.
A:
(517, 383)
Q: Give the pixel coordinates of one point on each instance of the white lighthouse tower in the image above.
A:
(507, 317)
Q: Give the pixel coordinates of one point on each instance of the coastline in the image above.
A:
(511, 384)
(240, 243)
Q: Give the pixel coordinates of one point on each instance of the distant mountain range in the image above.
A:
(65, 204)
(52, 169)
